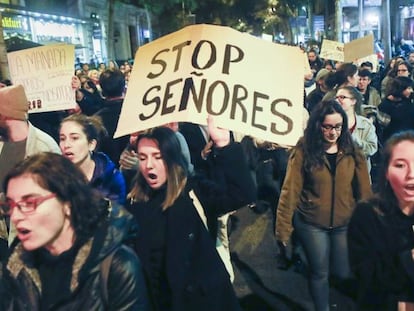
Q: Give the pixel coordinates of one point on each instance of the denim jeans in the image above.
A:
(327, 252)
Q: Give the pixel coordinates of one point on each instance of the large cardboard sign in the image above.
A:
(247, 84)
(348, 52)
(46, 73)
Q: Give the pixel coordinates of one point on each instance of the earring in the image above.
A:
(67, 210)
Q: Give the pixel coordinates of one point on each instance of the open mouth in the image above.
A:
(152, 176)
(23, 233)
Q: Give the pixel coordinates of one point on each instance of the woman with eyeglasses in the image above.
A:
(65, 232)
(398, 106)
(389, 73)
(327, 174)
(362, 129)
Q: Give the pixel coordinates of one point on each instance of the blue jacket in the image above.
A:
(107, 179)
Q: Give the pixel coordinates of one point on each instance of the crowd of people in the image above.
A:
(89, 222)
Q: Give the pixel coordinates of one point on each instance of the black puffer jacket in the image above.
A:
(21, 287)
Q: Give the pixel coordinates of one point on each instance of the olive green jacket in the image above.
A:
(322, 199)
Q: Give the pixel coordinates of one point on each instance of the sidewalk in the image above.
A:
(259, 284)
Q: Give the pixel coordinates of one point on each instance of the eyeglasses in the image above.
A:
(328, 127)
(342, 97)
(402, 70)
(25, 206)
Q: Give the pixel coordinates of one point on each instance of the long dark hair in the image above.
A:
(341, 75)
(175, 164)
(397, 85)
(61, 177)
(313, 141)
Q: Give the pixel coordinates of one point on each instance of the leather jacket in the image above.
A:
(21, 287)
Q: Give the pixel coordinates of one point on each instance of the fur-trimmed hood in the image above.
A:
(119, 229)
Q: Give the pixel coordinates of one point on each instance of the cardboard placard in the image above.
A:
(348, 52)
(46, 73)
(247, 84)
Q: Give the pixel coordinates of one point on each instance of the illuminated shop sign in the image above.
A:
(54, 30)
(14, 22)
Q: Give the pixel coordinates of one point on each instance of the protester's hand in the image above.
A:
(220, 137)
(79, 95)
(75, 110)
(309, 76)
(282, 260)
(128, 160)
(206, 150)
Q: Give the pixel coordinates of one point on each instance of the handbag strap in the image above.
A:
(198, 207)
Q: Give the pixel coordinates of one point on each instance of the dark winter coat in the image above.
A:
(402, 116)
(90, 102)
(107, 179)
(21, 287)
(380, 240)
(109, 113)
(186, 255)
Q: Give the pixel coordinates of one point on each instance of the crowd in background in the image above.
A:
(180, 183)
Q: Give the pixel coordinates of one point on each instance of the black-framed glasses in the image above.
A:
(328, 127)
(342, 97)
(25, 206)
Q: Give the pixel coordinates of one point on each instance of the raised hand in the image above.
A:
(220, 136)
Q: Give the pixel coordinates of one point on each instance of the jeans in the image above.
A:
(327, 252)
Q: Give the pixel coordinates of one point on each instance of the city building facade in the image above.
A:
(100, 30)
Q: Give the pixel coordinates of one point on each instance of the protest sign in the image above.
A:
(348, 52)
(373, 59)
(332, 50)
(46, 73)
(247, 84)
(307, 68)
(359, 48)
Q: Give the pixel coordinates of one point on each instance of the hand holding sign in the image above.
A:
(214, 70)
(45, 73)
(220, 137)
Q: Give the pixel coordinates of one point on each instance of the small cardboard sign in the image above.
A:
(46, 73)
(348, 52)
